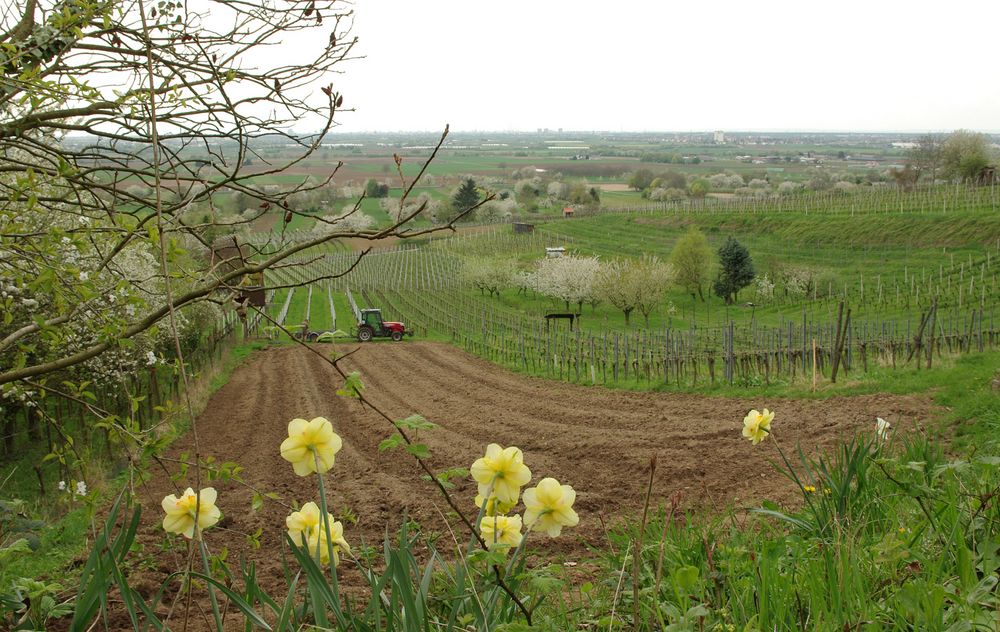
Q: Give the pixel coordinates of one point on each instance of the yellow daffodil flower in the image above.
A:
(500, 531)
(549, 507)
(309, 441)
(504, 470)
(305, 526)
(181, 511)
(757, 425)
(494, 506)
(809, 489)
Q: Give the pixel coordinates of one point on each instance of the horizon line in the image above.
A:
(549, 130)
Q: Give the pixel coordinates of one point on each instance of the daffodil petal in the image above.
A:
(304, 467)
(169, 503)
(208, 496)
(297, 427)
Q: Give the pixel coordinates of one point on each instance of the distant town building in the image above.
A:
(719, 137)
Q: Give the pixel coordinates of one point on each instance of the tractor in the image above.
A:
(372, 326)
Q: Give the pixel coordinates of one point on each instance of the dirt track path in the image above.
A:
(595, 439)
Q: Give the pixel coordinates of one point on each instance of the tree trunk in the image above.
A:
(34, 431)
(628, 313)
(9, 429)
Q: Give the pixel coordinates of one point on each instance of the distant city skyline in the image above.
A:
(773, 66)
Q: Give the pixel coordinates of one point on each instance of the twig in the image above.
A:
(618, 588)
(674, 502)
(637, 555)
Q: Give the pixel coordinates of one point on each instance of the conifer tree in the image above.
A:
(735, 270)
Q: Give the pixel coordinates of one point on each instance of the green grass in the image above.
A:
(616, 199)
(345, 318)
(300, 222)
(297, 308)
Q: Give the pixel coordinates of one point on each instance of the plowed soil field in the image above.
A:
(597, 440)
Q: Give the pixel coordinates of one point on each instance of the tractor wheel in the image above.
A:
(397, 336)
(365, 334)
(312, 336)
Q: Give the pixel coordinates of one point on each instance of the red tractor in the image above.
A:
(372, 326)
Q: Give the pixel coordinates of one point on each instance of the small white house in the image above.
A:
(555, 252)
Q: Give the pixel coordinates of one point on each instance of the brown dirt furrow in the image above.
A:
(475, 384)
(595, 439)
(696, 438)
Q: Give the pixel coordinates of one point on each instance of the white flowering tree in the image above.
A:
(631, 284)
(423, 205)
(789, 188)
(569, 279)
(489, 276)
(524, 281)
(618, 283)
(763, 288)
(352, 221)
(496, 211)
(654, 277)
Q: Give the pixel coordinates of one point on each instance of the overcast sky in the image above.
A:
(679, 65)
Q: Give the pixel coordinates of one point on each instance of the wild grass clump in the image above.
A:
(888, 534)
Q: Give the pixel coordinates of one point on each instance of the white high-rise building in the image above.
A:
(719, 137)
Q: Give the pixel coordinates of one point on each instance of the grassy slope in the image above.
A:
(839, 250)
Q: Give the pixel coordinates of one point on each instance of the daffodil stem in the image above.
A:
(208, 573)
(327, 528)
(474, 538)
(518, 552)
(794, 476)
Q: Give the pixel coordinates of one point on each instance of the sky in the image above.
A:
(630, 65)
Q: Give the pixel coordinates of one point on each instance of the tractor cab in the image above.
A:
(372, 318)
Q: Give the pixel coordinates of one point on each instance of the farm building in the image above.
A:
(558, 251)
(987, 176)
(567, 211)
(252, 290)
(229, 254)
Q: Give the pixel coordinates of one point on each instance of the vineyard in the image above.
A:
(873, 201)
(889, 304)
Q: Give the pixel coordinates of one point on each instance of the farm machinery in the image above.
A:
(371, 326)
